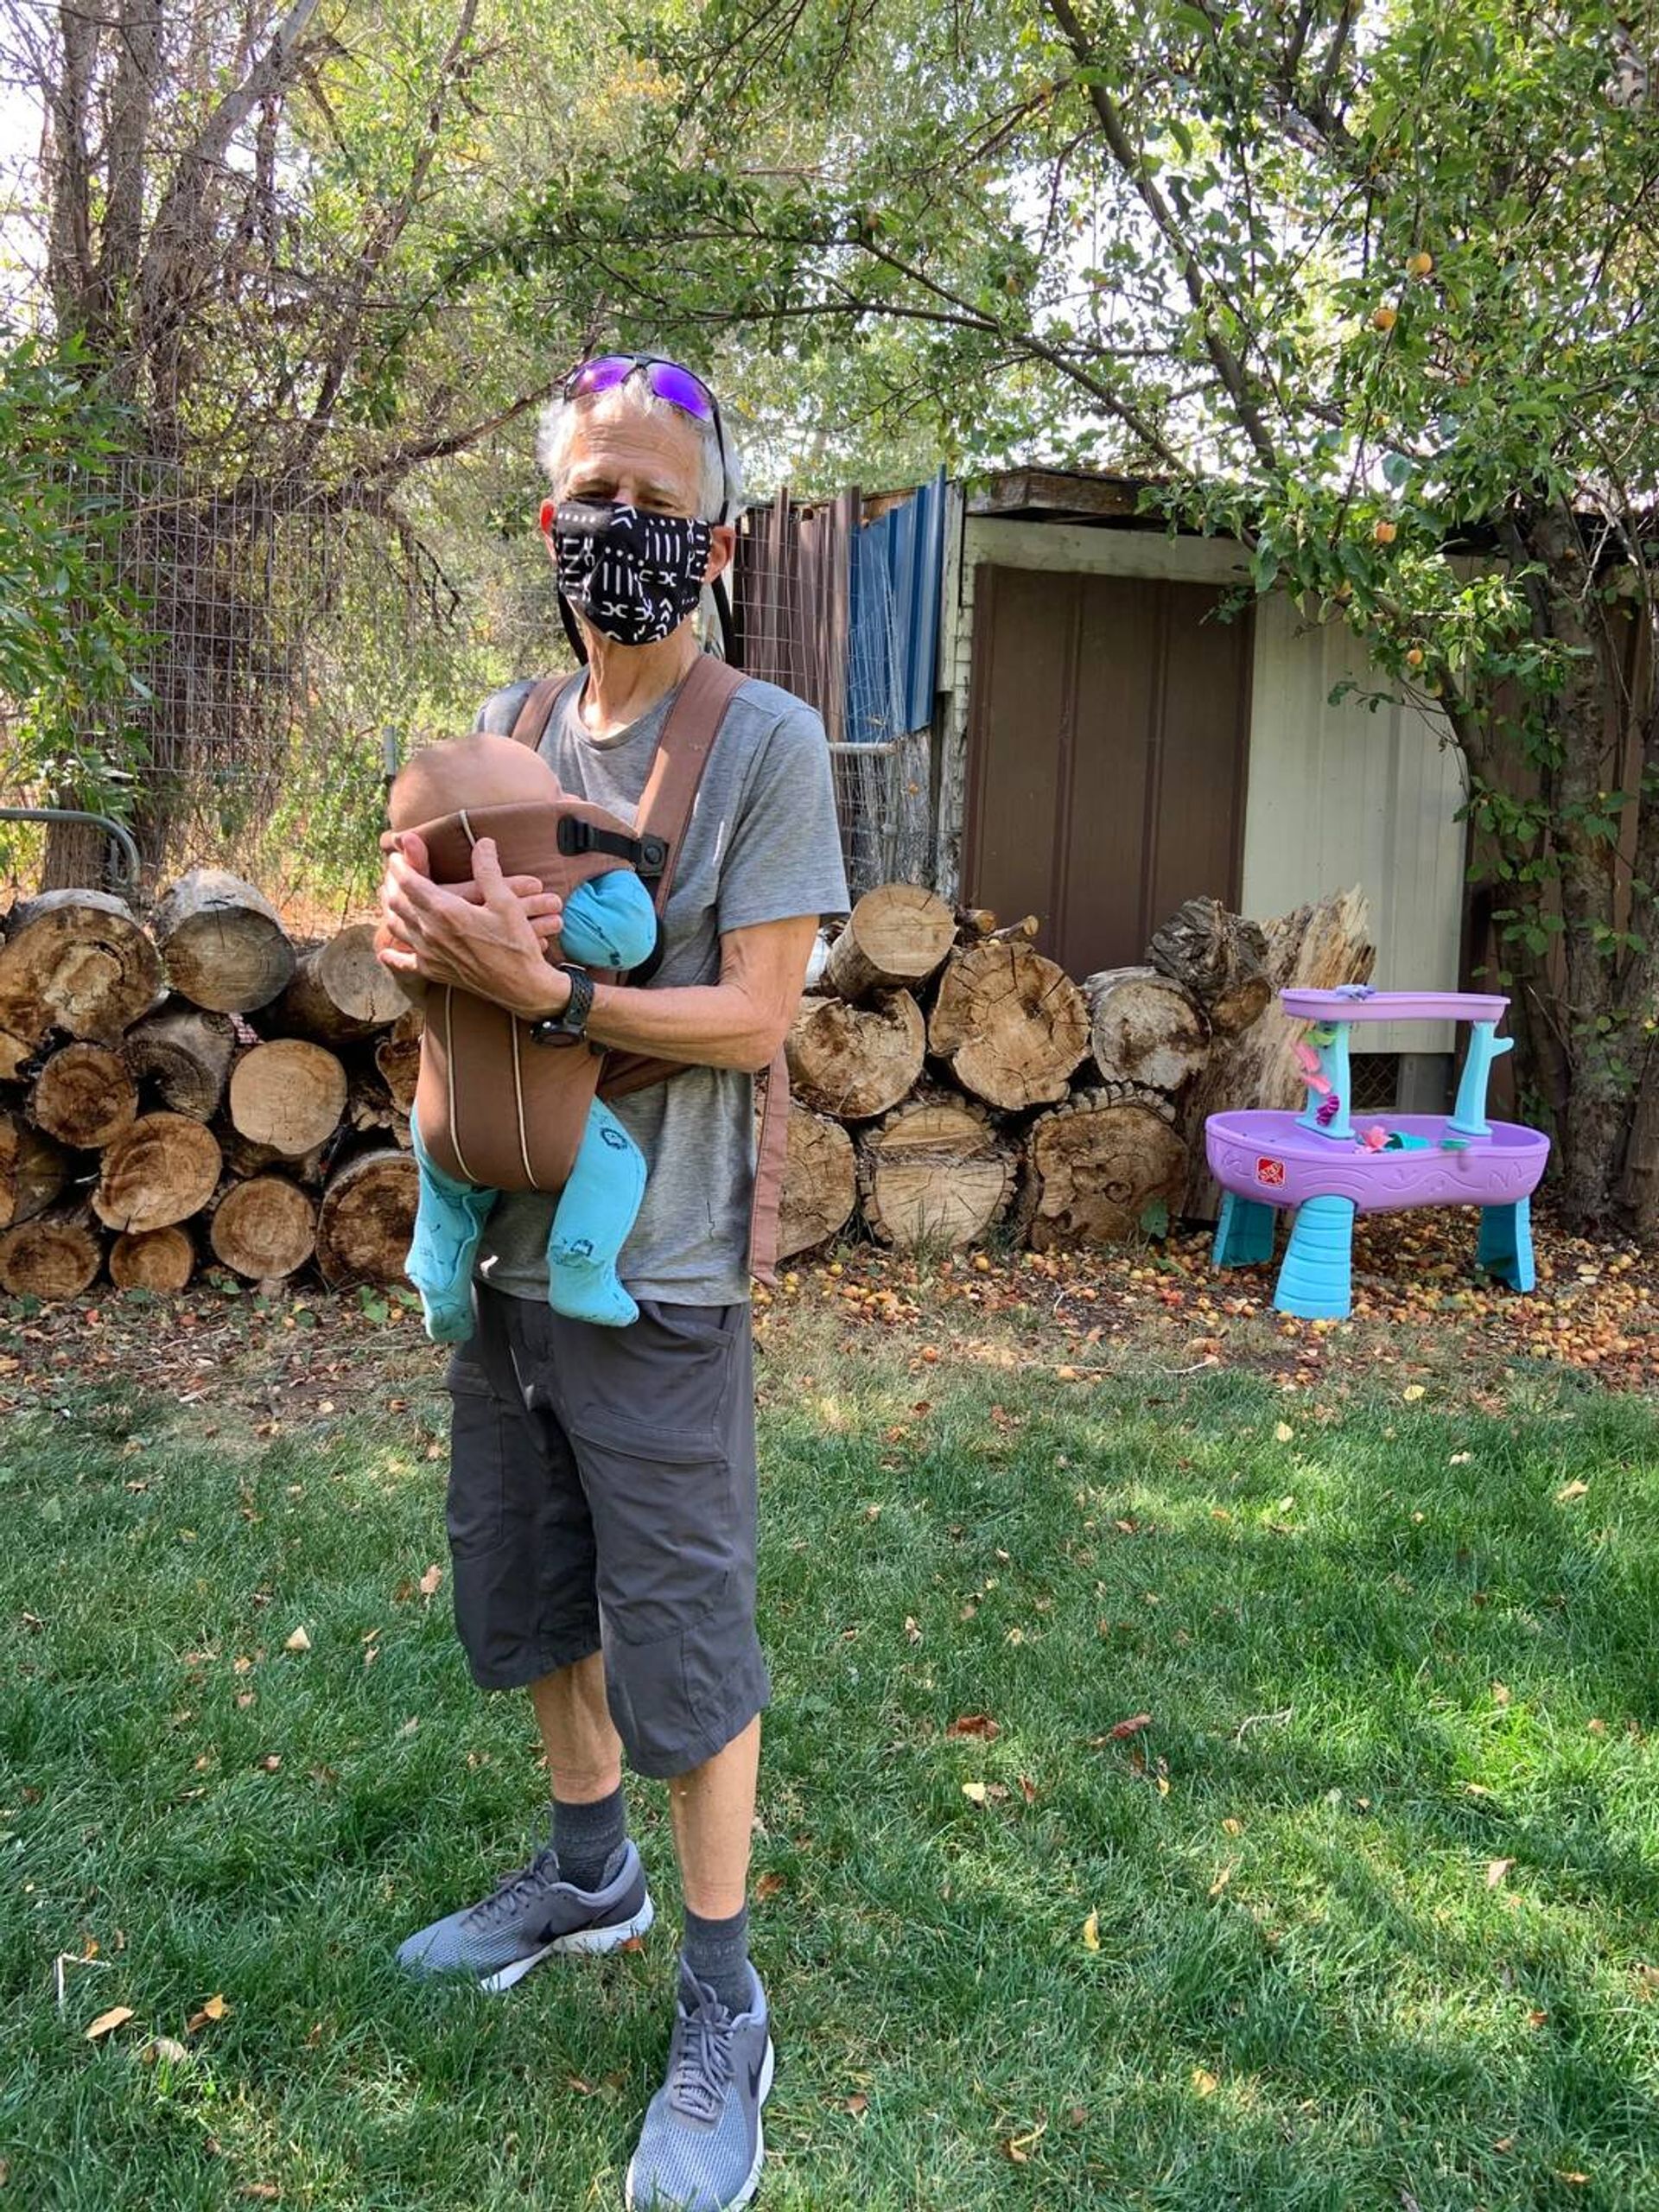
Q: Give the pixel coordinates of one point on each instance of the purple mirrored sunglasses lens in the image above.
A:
(666, 379)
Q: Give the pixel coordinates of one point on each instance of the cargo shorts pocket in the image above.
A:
(476, 1507)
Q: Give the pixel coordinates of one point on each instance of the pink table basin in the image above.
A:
(1268, 1157)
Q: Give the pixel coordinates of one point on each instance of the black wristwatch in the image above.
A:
(569, 1025)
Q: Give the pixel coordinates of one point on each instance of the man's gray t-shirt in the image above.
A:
(762, 846)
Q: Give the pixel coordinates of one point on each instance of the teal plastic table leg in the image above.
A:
(1505, 1246)
(1316, 1279)
(1244, 1233)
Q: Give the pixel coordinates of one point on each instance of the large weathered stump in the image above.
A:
(368, 1220)
(184, 1054)
(1009, 1024)
(856, 1061)
(1219, 959)
(162, 1170)
(1100, 1165)
(224, 947)
(820, 1183)
(75, 961)
(895, 937)
(934, 1173)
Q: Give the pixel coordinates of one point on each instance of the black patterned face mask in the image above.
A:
(635, 576)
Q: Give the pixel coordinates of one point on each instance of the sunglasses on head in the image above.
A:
(666, 380)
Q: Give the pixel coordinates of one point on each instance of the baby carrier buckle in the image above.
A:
(647, 855)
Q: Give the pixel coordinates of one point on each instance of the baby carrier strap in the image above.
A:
(664, 813)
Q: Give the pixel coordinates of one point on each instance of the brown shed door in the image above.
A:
(1107, 742)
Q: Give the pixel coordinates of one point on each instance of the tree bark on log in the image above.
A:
(398, 1058)
(1315, 948)
(934, 1173)
(1010, 1025)
(243, 1159)
(289, 1094)
(368, 1220)
(75, 961)
(56, 1255)
(820, 1183)
(160, 1170)
(34, 1170)
(83, 1096)
(1143, 1028)
(224, 945)
(162, 1260)
(185, 1054)
(1099, 1164)
(1219, 959)
(895, 937)
(264, 1227)
(338, 992)
(856, 1061)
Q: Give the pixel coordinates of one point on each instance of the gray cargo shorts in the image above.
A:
(602, 1498)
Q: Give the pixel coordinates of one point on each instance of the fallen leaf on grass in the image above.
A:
(767, 1885)
(1577, 2180)
(1537, 2017)
(1568, 1491)
(271, 1761)
(430, 1581)
(267, 2191)
(214, 2009)
(1220, 1882)
(1027, 1789)
(1122, 1730)
(856, 2105)
(913, 1634)
(1460, 1459)
(167, 2047)
(975, 1724)
(1412, 1392)
(411, 1725)
(1204, 2082)
(1230, 1826)
(1284, 1434)
(1092, 1932)
(1019, 2148)
(298, 1642)
(107, 2022)
(975, 1792)
(1500, 1692)
(1496, 1869)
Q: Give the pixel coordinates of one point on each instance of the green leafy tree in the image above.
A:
(1367, 285)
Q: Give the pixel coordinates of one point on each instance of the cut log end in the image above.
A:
(895, 937)
(1009, 1023)
(368, 1220)
(83, 1096)
(934, 1174)
(1105, 1168)
(855, 1062)
(1144, 1028)
(224, 945)
(160, 1260)
(820, 1184)
(55, 1256)
(264, 1228)
(289, 1094)
(160, 1170)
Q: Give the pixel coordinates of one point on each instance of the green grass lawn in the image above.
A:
(1368, 1915)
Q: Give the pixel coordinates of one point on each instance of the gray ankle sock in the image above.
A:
(589, 1839)
(717, 1952)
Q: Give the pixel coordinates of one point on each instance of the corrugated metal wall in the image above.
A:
(1339, 795)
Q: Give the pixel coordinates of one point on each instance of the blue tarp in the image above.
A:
(897, 565)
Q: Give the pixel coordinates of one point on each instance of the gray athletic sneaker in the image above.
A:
(701, 2148)
(528, 1916)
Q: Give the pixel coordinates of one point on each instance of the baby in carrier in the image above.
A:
(495, 1110)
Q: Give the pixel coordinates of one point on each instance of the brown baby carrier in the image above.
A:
(494, 1107)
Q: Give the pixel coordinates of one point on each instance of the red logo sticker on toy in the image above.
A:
(1270, 1172)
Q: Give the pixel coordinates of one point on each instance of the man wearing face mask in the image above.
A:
(601, 1508)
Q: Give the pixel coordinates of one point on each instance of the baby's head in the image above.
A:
(468, 771)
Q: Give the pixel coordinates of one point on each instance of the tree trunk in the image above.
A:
(368, 1220)
(1314, 948)
(1105, 1167)
(34, 1170)
(263, 1228)
(820, 1184)
(185, 1055)
(895, 937)
(1143, 1028)
(1219, 959)
(83, 1096)
(224, 945)
(288, 1094)
(162, 1260)
(56, 1256)
(855, 1062)
(934, 1173)
(1010, 1025)
(75, 961)
(162, 1170)
(339, 991)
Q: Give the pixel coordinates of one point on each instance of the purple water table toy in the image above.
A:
(1315, 1165)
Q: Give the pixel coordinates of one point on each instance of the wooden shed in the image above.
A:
(1115, 735)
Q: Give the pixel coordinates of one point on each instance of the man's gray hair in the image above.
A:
(720, 485)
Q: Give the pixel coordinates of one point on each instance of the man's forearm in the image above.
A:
(703, 1025)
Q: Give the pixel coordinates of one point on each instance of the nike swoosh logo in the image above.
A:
(756, 2074)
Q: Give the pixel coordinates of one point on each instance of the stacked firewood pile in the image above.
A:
(947, 1077)
(199, 1089)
